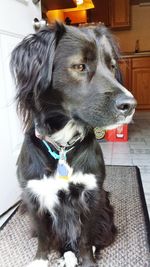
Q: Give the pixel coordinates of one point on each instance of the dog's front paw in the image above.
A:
(61, 262)
(38, 263)
(70, 259)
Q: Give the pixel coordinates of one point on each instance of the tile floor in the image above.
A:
(134, 152)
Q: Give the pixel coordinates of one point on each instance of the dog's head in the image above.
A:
(68, 72)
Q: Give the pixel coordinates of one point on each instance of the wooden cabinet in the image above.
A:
(114, 13)
(119, 14)
(100, 13)
(141, 81)
(136, 78)
(125, 67)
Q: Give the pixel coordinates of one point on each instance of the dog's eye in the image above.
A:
(113, 66)
(79, 67)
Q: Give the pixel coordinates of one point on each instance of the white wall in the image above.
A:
(16, 16)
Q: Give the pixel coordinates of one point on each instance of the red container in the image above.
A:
(119, 134)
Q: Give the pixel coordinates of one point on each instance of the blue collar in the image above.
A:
(62, 151)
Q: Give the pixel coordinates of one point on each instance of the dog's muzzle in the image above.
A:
(125, 105)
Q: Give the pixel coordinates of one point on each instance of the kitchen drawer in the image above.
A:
(141, 62)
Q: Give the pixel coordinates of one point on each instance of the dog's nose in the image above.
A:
(125, 105)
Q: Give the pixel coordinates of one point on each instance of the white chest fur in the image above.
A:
(46, 189)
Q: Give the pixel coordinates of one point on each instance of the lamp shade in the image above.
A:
(81, 5)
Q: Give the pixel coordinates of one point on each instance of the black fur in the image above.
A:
(52, 90)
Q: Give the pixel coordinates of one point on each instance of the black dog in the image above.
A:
(66, 87)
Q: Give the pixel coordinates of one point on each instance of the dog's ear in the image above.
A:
(32, 63)
(100, 31)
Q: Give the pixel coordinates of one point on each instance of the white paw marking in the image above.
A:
(38, 263)
(70, 259)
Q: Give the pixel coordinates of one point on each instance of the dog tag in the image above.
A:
(63, 170)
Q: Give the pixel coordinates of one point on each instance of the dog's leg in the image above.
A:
(87, 257)
(43, 227)
(41, 259)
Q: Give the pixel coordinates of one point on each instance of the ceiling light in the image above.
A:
(79, 2)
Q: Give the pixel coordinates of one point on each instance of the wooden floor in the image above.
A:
(134, 152)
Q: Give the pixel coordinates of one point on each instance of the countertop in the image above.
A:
(138, 54)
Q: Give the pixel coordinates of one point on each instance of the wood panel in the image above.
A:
(125, 67)
(58, 4)
(119, 14)
(141, 87)
(143, 62)
(114, 13)
(100, 13)
(136, 78)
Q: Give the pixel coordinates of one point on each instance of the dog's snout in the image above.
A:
(125, 105)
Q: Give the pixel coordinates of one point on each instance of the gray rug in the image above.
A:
(131, 247)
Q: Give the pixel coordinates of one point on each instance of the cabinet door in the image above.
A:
(119, 14)
(100, 13)
(141, 81)
(141, 87)
(125, 67)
